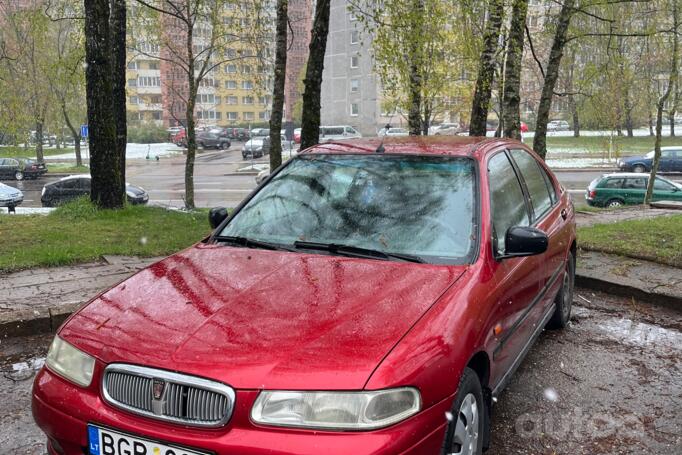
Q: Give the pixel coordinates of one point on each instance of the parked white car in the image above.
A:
(446, 129)
(394, 132)
(335, 133)
(10, 196)
(558, 125)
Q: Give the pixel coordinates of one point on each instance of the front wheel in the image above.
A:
(19, 175)
(464, 433)
(564, 299)
(639, 169)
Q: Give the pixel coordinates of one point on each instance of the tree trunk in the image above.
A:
(672, 82)
(512, 70)
(651, 124)
(426, 121)
(627, 107)
(39, 141)
(575, 115)
(189, 115)
(75, 133)
(486, 69)
(278, 86)
(551, 76)
(107, 185)
(310, 121)
(414, 116)
(118, 62)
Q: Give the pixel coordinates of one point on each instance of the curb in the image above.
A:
(30, 322)
(611, 287)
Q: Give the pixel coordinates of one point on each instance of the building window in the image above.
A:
(354, 85)
(206, 98)
(354, 37)
(155, 99)
(354, 61)
(231, 68)
(231, 84)
(153, 65)
(263, 115)
(132, 82)
(134, 100)
(218, 115)
(249, 116)
(232, 100)
(156, 115)
(132, 65)
(247, 85)
(247, 99)
(354, 109)
(148, 81)
(264, 100)
(232, 115)
(246, 69)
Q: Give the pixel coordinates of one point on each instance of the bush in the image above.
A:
(147, 134)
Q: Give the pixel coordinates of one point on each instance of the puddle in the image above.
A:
(21, 371)
(640, 333)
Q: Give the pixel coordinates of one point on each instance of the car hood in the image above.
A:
(261, 319)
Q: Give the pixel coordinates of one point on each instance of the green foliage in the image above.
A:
(79, 232)
(147, 133)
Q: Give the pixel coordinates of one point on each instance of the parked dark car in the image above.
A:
(10, 196)
(21, 168)
(238, 134)
(671, 161)
(256, 147)
(75, 186)
(355, 303)
(216, 138)
(614, 190)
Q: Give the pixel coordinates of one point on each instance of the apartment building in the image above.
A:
(235, 92)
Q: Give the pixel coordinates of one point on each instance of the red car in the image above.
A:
(365, 299)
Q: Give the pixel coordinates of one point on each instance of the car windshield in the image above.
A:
(416, 205)
(650, 155)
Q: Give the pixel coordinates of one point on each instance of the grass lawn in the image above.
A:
(20, 152)
(67, 169)
(656, 239)
(77, 232)
(600, 144)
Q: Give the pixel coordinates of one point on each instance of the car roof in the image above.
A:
(627, 174)
(415, 145)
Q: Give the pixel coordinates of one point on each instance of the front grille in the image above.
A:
(168, 396)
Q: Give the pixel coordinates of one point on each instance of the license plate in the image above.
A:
(103, 441)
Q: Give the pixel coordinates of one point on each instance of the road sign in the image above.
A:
(84, 131)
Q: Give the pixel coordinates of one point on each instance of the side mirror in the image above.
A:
(216, 216)
(524, 241)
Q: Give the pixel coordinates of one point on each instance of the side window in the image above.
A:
(662, 185)
(635, 183)
(69, 184)
(612, 183)
(507, 201)
(85, 184)
(535, 182)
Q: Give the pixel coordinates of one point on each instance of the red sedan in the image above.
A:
(365, 299)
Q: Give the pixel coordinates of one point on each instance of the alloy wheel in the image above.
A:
(465, 439)
(614, 203)
(19, 175)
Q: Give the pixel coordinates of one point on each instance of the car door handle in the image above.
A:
(564, 214)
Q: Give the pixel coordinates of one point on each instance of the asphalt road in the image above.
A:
(218, 184)
(611, 383)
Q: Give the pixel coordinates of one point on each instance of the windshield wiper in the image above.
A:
(356, 251)
(252, 243)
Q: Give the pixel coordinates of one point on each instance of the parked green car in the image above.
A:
(614, 190)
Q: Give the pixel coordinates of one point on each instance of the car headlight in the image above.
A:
(336, 410)
(70, 363)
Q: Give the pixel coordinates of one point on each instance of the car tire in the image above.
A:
(614, 203)
(221, 146)
(19, 175)
(564, 298)
(464, 434)
(640, 168)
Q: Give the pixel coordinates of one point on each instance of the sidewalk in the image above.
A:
(38, 300)
(642, 280)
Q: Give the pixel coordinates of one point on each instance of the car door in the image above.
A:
(514, 283)
(667, 163)
(634, 190)
(3, 168)
(550, 216)
(677, 161)
(665, 191)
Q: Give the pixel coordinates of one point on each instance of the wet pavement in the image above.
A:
(611, 383)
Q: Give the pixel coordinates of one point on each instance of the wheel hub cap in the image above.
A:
(465, 439)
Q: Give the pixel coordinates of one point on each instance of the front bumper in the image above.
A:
(15, 201)
(63, 410)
